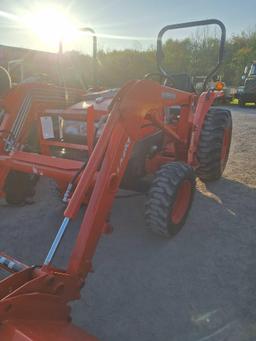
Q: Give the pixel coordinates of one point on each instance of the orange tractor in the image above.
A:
(148, 136)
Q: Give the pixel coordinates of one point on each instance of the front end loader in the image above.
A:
(148, 137)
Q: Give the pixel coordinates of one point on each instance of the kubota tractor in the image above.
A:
(148, 136)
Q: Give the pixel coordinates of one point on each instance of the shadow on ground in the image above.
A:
(198, 286)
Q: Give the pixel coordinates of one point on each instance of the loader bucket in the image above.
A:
(33, 306)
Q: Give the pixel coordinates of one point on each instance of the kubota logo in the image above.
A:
(126, 147)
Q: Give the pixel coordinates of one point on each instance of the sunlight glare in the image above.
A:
(52, 25)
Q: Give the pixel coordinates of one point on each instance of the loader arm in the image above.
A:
(33, 300)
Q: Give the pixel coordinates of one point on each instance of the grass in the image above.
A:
(234, 101)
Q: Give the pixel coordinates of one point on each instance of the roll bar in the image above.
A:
(94, 52)
(160, 53)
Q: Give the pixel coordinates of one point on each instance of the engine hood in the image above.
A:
(100, 100)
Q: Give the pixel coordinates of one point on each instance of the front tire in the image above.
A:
(241, 102)
(19, 187)
(170, 198)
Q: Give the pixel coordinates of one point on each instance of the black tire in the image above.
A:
(216, 131)
(165, 192)
(19, 187)
(241, 103)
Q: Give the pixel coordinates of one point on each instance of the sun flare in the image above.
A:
(52, 25)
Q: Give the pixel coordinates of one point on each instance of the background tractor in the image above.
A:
(246, 92)
(148, 136)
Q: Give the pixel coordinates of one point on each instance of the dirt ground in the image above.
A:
(199, 286)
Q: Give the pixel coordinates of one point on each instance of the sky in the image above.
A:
(119, 24)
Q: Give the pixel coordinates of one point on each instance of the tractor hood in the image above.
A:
(100, 100)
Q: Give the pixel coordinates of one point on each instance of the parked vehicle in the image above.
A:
(246, 92)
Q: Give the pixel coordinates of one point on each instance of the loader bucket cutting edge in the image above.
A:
(42, 331)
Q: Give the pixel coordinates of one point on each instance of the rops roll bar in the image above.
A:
(160, 53)
(94, 52)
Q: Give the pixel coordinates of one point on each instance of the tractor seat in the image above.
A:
(180, 81)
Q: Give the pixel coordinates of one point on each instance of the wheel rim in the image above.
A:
(225, 148)
(182, 202)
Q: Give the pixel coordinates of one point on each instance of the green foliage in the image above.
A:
(116, 67)
(196, 56)
(240, 50)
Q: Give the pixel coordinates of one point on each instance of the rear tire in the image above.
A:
(170, 198)
(214, 144)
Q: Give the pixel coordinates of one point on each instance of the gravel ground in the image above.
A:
(199, 286)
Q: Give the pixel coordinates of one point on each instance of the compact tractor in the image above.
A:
(151, 137)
